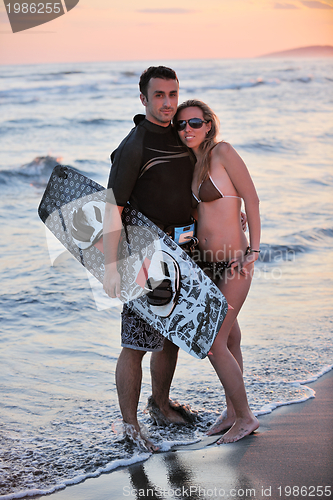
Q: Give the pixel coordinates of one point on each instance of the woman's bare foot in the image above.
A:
(137, 437)
(222, 423)
(241, 428)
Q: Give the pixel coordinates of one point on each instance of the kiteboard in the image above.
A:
(162, 284)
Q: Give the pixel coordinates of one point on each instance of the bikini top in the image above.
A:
(208, 191)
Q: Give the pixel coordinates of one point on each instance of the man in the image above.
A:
(153, 171)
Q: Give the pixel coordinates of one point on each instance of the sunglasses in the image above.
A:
(193, 123)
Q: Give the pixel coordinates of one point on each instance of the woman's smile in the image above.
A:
(192, 137)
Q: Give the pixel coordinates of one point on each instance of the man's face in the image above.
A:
(162, 101)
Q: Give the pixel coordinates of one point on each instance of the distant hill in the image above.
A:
(312, 51)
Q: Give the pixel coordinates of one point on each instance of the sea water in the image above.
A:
(60, 421)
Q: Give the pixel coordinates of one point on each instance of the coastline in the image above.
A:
(291, 455)
(60, 418)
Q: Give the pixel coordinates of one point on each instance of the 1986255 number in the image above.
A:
(305, 491)
(34, 8)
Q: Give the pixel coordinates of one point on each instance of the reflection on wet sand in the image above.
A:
(182, 475)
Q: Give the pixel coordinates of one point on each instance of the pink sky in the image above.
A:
(111, 30)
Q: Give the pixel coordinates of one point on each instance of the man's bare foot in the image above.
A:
(241, 428)
(173, 413)
(173, 417)
(222, 423)
(137, 437)
(178, 414)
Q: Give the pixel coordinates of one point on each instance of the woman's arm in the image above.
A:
(242, 181)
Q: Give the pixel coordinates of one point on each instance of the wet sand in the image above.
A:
(290, 456)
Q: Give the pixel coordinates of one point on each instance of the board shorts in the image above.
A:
(137, 334)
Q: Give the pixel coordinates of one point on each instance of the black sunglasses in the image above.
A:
(193, 123)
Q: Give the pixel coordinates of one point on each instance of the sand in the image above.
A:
(290, 456)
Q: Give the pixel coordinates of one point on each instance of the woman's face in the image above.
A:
(192, 137)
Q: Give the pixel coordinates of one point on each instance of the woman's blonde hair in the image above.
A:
(210, 140)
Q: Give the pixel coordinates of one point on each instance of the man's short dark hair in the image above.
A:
(155, 72)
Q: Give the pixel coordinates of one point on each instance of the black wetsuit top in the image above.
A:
(153, 171)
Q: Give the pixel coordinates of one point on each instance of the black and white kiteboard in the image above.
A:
(163, 284)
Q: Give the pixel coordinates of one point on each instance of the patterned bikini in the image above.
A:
(208, 191)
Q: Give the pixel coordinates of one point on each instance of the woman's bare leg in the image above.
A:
(228, 416)
(235, 288)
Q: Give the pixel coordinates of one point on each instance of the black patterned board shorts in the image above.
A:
(137, 334)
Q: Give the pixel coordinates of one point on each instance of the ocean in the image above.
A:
(60, 421)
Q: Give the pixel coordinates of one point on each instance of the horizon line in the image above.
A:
(268, 55)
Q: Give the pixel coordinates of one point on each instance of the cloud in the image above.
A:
(166, 11)
(285, 6)
(314, 4)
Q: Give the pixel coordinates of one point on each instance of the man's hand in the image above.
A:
(111, 283)
(244, 221)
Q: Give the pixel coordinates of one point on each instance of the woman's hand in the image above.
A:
(241, 265)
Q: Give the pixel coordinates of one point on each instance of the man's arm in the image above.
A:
(111, 235)
(126, 163)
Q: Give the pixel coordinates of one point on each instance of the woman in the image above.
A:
(220, 182)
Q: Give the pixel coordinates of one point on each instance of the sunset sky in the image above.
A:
(111, 30)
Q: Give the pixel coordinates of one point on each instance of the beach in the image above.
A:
(290, 456)
(60, 426)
